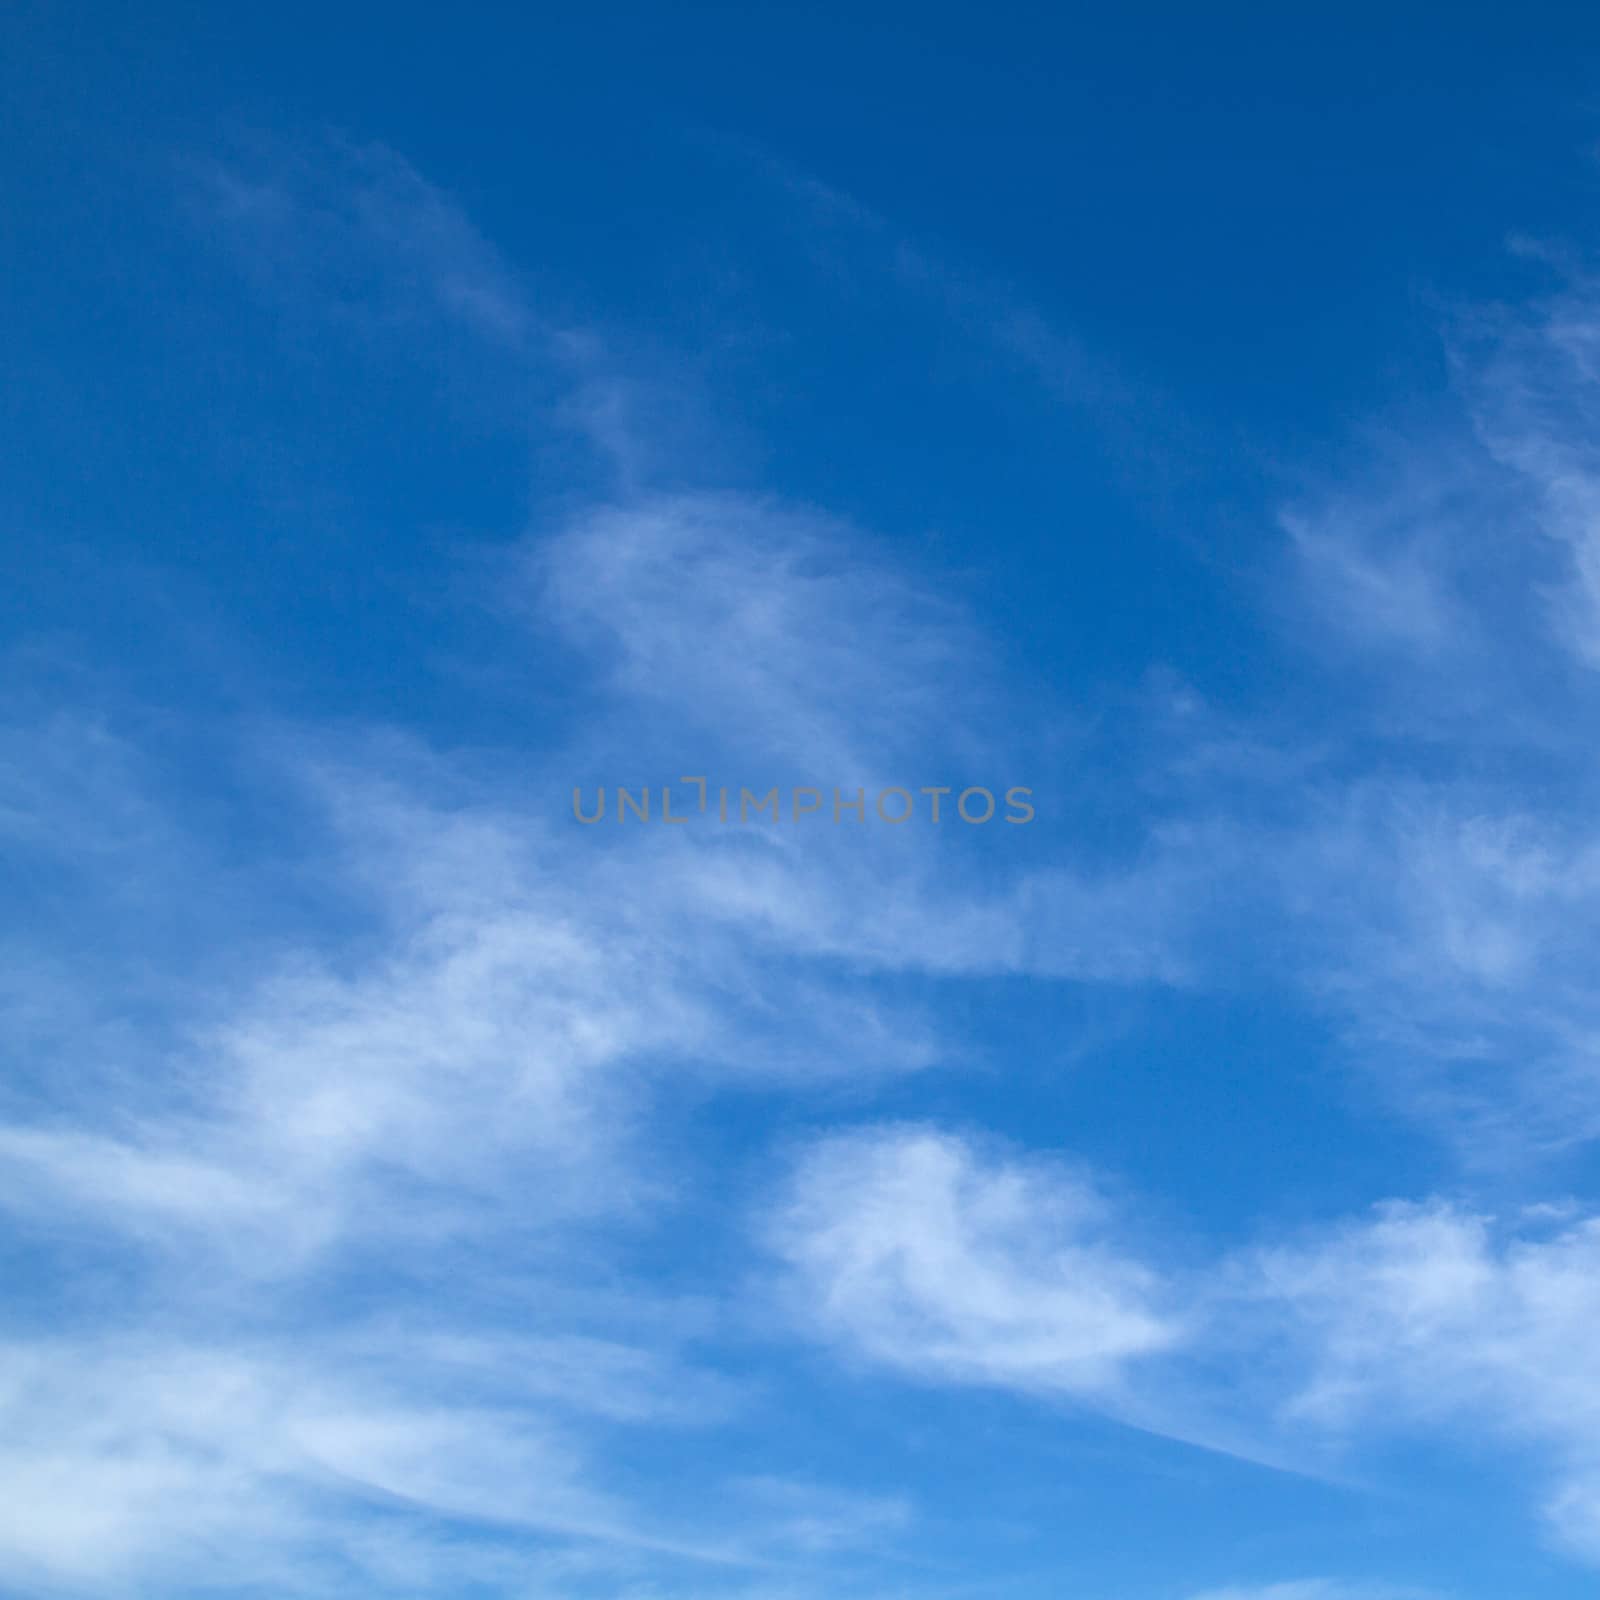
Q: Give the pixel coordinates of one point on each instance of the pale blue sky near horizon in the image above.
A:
(413, 415)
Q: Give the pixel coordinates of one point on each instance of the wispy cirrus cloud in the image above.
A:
(1433, 1317)
(352, 231)
(1532, 380)
(912, 1249)
(133, 1458)
(1445, 872)
(923, 1253)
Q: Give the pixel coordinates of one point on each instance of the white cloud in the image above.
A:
(1431, 1317)
(136, 1459)
(754, 625)
(913, 1250)
(1447, 929)
(1534, 384)
(1447, 893)
(917, 1251)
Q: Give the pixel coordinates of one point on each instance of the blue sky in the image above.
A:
(412, 417)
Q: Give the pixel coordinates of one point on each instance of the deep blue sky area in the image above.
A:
(1251, 222)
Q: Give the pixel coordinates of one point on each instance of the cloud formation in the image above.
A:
(386, 1204)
